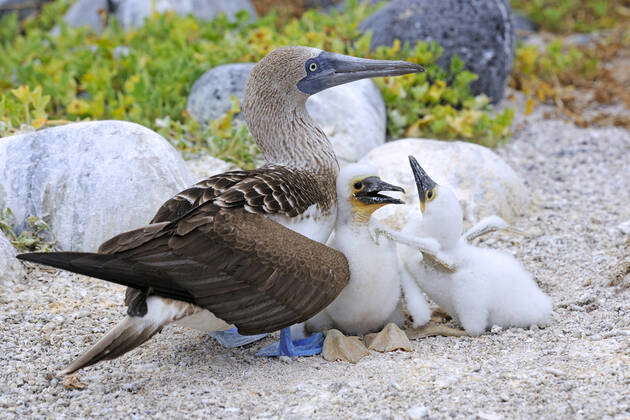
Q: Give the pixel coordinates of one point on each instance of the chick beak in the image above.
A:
(424, 183)
(370, 193)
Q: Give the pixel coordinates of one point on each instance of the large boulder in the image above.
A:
(323, 4)
(10, 268)
(479, 32)
(23, 8)
(90, 13)
(210, 95)
(483, 182)
(205, 166)
(89, 181)
(352, 115)
(132, 13)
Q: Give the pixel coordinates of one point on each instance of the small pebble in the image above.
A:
(554, 371)
(418, 412)
(624, 227)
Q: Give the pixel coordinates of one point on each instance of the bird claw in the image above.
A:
(231, 338)
(308, 346)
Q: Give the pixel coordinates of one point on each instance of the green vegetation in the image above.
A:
(36, 237)
(566, 16)
(144, 75)
(576, 78)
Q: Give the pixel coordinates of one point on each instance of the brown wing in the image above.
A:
(270, 277)
(201, 192)
(245, 268)
(267, 190)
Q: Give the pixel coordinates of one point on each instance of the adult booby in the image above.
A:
(229, 249)
(370, 300)
(479, 287)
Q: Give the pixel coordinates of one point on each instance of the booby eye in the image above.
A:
(430, 195)
(358, 186)
(312, 66)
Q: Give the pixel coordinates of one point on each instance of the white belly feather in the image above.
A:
(370, 298)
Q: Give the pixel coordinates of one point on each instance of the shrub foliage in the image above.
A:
(145, 74)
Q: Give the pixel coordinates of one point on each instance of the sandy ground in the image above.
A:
(578, 367)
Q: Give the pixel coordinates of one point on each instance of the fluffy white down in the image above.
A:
(489, 288)
(371, 297)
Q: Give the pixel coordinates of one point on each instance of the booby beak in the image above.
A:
(424, 183)
(371, 187)
(331, 69)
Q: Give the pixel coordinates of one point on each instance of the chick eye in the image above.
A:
(430, 195)
(357, 186)
(312, 66)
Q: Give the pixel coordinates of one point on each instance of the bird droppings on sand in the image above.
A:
(498, 375)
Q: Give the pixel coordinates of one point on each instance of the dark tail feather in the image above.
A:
(126, 336)
(101, 266)
(112, 268)
(133, 331)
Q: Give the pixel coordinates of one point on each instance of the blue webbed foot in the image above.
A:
(308, 346)
(231, 338)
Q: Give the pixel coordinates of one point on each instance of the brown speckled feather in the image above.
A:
(267, 190)
(243, 267)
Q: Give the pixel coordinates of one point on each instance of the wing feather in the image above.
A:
(244, 268)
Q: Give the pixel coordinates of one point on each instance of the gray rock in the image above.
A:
(10, 268)
(483, 182)
(88, 13)
(522, 23)
(481, 33)
(352, 115)
(210, 95)
(417, 412)
(24, 8)
(132, 13)
(624, 227)
(205, 166)
(323, 4)
(89, 181)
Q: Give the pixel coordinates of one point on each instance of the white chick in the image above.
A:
(370, 299)
(478, 287)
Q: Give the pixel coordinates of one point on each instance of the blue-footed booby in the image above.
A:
(478, 287)
(242, 248)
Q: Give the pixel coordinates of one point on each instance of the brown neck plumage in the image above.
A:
(284, 130)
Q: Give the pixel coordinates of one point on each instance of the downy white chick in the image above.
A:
(370, 300)
(478, 287)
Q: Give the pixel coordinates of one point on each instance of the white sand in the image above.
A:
(578, 367)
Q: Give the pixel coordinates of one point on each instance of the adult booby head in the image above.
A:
(441, 211)
(276, 94)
